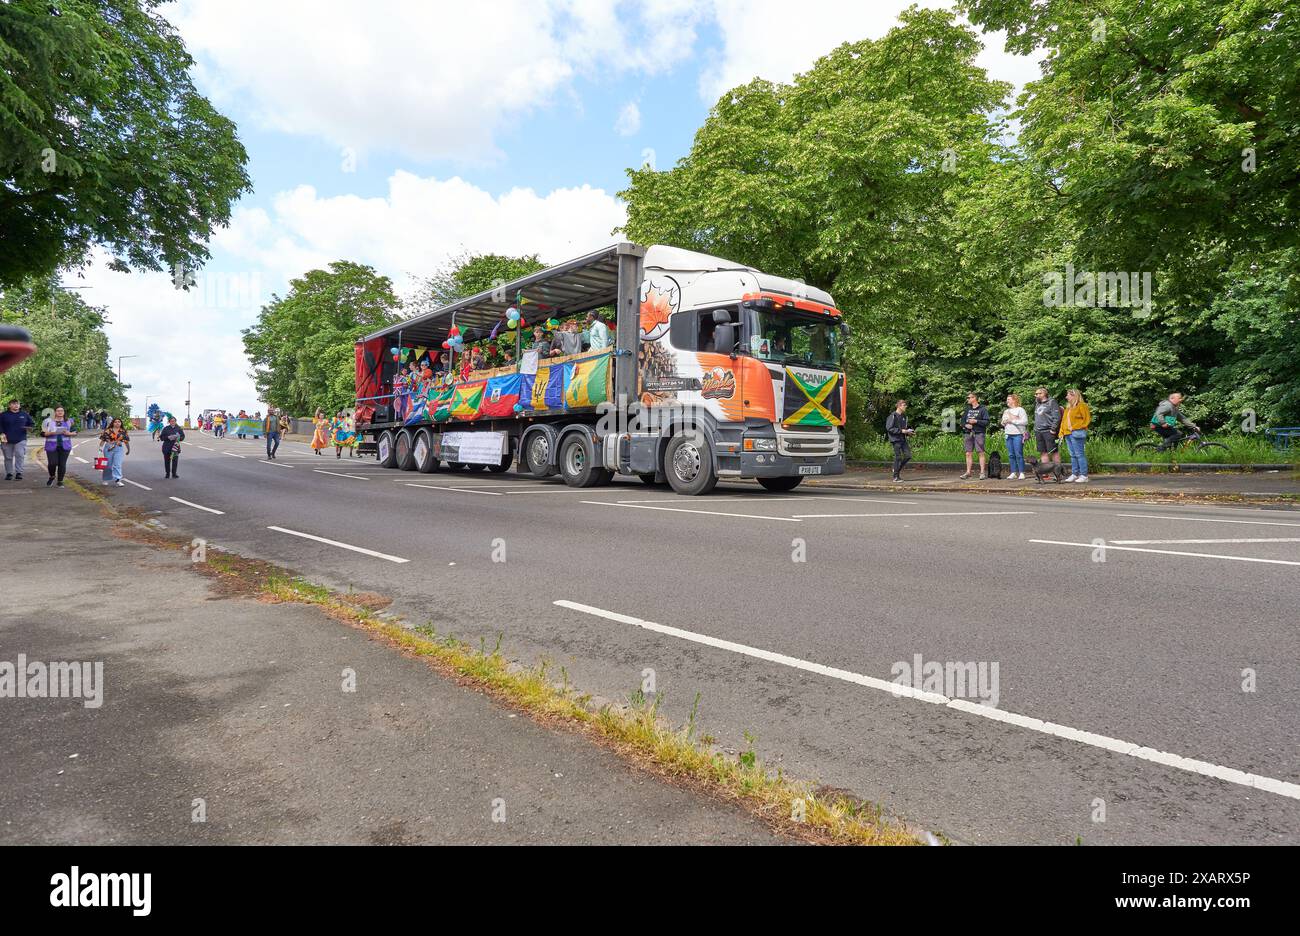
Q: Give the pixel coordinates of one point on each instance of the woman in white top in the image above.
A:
(1015, 422)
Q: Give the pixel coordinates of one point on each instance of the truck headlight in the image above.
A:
(760, 445)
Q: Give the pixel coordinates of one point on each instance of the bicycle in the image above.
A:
(1191, 440)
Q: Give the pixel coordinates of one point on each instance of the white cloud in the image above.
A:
(430, 80)
(410, 231)
(776, 39)
(629, 119)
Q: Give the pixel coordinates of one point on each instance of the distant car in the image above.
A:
(15, 345)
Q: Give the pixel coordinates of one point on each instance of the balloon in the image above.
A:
(512, 314)
(518, 408)
(552, 323)
(453, 331)
(513, 323)
(392, 350)
(446, 345)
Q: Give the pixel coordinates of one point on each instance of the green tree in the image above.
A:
(301, 346)
(466, 275)
(71, 366)
(850, 179)
(105, 142)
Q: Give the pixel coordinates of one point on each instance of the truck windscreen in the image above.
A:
(794, 338)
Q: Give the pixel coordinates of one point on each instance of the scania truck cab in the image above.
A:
(717, 370)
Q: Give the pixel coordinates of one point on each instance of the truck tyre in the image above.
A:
(780, 484)
(403, 450)
(475, 466)
(578, 463)
(387, 449)
(688, 463)
(502, 466)
(648, 478)
(425, 461)
(538, 452)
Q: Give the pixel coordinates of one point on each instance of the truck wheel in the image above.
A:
(780, 484)
(648, 478)
(387, 450)
(475, 466)
(538, 452)
(403, 450)
(455, 466)
(688, 463)
(501, 467)
(425, 462)
(578, 463)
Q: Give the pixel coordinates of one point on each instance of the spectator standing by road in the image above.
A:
(115, 444)
(898, 432)
(1047, 425)
(1075, 419)
(1015, 423)
(14, 423)
(974, 424)
(103, 419)
(271, 427)
(1168, 417)
(58, 434)
(172, 436)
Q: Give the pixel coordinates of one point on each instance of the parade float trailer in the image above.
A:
(717, 370)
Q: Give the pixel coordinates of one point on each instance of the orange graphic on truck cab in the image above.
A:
(753, 396)
(655, 309)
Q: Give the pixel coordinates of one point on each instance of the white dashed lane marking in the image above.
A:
(1129, 748)
(330, 542)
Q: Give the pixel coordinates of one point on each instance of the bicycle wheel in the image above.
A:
(1216, 446)
(1147, 447)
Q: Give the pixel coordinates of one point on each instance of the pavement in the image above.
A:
(1141, 654)
(234, 711)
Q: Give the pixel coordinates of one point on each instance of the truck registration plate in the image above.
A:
(810, 469)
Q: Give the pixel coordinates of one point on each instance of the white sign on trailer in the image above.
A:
(473, 448)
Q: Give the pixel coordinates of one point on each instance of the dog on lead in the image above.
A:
(1045, 468)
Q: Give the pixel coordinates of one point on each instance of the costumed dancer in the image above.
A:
(342, 434)
(320, 435)
(155, 417)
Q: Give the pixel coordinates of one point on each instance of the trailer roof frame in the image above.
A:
(575, 286)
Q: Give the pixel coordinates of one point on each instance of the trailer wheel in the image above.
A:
(578, 463)
(688, 463)
(403, 450)
(538, 455)
(387, 449)
(425, 462)
(475, 466)
(500, 467)
(780, 484)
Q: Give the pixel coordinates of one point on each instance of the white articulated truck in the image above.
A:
(713, 370)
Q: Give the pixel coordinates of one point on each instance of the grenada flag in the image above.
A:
(468, 398)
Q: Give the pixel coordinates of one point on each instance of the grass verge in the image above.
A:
(636, 730)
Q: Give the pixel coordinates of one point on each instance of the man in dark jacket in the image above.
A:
(14, 423)
(897, 431)
(172, 435)
(974, 424)
(1047, 422)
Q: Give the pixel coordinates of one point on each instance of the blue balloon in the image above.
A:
(518, 408)
(513, 314)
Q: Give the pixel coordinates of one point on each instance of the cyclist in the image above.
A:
(1168, 417)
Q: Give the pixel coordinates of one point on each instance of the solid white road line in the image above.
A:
(1195, 542)
(330, 542)
(1130, 748)
(953, 513)
(197, 506)
(712, 513)
(340, 474)
(463, 490)
(1166, 552)
(1209, 520)
(137, 484)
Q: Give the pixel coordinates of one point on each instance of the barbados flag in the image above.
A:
(500, 395)
(587, 382)
(537, 396)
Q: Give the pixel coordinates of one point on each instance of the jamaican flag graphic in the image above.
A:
(810, 403)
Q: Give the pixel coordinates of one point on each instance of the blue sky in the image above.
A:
(400, 132)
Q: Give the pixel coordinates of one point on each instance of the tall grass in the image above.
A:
(1102, 449)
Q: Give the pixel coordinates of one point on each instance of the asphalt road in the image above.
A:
(1120, 712)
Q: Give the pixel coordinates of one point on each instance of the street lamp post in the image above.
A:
(119, 364)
